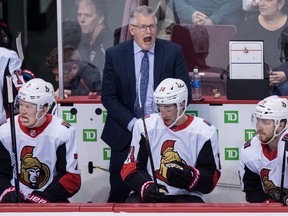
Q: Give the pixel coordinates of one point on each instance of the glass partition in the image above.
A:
(218, 22)
(88, 28)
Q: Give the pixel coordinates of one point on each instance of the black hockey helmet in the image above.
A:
(5, 35)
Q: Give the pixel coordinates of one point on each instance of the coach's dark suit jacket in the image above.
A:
(119, 84)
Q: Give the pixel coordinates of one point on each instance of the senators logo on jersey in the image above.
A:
(270, 188)
(34, 174)
(168, 158)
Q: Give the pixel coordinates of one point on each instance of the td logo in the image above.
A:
(106, 153)
(249, 134)
(89, 135)
(104, 116)
(68, 117)
(192, 112)
(231, 116)
(231, 153)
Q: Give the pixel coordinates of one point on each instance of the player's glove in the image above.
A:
(9, 196)
(152, 194)
(34, 198)
(182, 176)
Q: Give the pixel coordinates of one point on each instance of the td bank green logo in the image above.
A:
(231, 116)
(231, 153)
(192, 112)
(249, 134)
(104, 116)
(89, 135)
(68, 117)
(106, 153)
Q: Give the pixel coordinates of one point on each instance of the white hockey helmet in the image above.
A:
(274, 108)
(172, 91)
(37, 91)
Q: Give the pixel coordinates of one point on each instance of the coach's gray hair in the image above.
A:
(142, 10)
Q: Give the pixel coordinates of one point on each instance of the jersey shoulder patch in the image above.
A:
(66, 124)
(206, 122)
(247, 144)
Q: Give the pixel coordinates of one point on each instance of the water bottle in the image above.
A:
(196, 85)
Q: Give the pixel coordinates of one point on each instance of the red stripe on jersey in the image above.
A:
(71, 182)
(34, 132)
(183, 126)
(270, 155)
(128, 169)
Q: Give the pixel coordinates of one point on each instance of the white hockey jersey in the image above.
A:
(14, 68)
(260, 170)
(47, 159)
(193, 143)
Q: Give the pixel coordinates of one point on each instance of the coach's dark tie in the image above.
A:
(144, 77)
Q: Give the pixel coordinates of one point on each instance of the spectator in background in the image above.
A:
(120, 87)
(250, 7)
(71, 33)
(278, 77)
(46, 150)
(267, 26)
(261, 157)
(208, 12)
(96, 36)
(185, 151)
(79, 78)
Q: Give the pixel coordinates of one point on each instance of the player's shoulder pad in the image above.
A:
(66, 124)
(247, 144)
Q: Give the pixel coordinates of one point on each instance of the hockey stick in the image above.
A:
(19, 47)
(149, 150)
(146, 137)
(13, 137)
(284, 200)
(91, 167)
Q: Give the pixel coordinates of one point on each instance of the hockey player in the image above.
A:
(184, 149)
(10, 64)
(261, 157)
(46, 150)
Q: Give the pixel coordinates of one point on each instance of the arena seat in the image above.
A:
(207, 48)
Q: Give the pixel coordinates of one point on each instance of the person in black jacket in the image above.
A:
(96, 34)
(120, 90)
(278, 77)
(79, 77)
